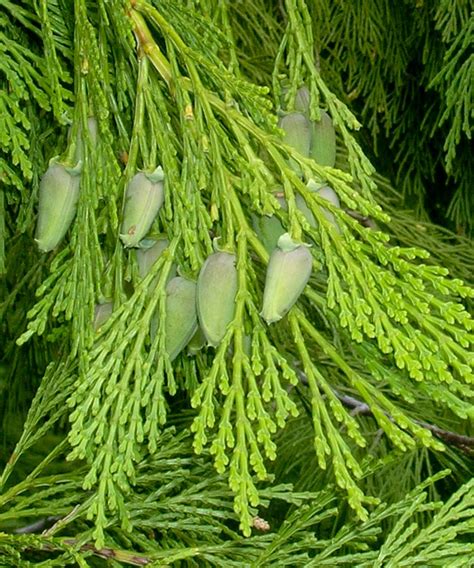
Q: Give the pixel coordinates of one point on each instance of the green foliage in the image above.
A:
(300, 423)
(405, 68)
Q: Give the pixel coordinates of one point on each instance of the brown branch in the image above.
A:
(37, 526)
(112, 553)
(363, 219)
(464, 443)
(107, 553)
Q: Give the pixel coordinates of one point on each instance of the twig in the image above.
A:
(107, 553)
(112, 553)
(61, 521)
(37, 526)
(50, 524)
(363, 219)
(464, 443)
(281, 7)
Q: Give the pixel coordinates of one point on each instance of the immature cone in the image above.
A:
(326, 193)
(181, 318)
(323, 141)
(301, 204)
(302, 100)
(216, 291)
(269, 228)
(197, 342)
(93, 133)
(58, 195)
(148, 253)
(288, 273)
(143, 199)
(102, 312)
(297, 135)
(330, 195)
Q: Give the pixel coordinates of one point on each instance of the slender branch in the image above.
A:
(122, 556)
(363, 219)
(464, 443)
(37, 526)
(112, 553)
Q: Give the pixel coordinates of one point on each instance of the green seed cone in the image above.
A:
(288, 273)
(323, 141)
(93, 130)
(297, 135)
(198, 341)
(301, 204)
(102, 312)
(269, 228)
(302, 100)
(148, 253)
(143, 199)
(216, 291)
(181, 316)
(326, 193)
(330, 195)
(58, 195)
